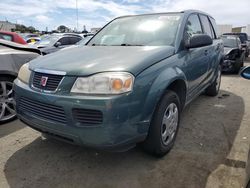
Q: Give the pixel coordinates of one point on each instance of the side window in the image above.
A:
(6, 37)
(238, 41)
(214, 26)
(64, 41)
(74, 40)
(193, 26)
(206, 25)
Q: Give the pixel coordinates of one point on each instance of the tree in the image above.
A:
(63, 29)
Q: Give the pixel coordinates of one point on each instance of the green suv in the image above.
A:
(128, 85)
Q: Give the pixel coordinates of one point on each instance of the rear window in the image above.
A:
(6, 37)
(243, 36)
(229, 41)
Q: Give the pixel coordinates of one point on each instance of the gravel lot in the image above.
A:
(210, 151)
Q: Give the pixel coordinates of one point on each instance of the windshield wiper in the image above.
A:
(99, 44)
(125, 44)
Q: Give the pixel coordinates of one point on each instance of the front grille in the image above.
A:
(42, 110)
(52, 81)
(87, 117)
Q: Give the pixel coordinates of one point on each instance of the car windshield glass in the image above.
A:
(145, 30)
(84, 41)
(230, 42)
(48, 40)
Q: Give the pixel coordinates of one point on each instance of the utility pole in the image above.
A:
(76, 15)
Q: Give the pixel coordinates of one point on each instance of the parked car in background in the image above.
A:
(12, 36)
(234, 54)
(12, 57)
(81, 43)
(128, 85)
(55, 42)
(245, 73)
(244, 40)
(30, 38)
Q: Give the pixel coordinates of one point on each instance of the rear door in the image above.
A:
(210, 28)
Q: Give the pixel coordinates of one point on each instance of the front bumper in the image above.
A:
(119, 128)
(228, 65)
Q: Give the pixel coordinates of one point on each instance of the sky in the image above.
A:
(96, 13)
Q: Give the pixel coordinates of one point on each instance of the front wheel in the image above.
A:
(214, 88)
(164, 125)
(7, 103)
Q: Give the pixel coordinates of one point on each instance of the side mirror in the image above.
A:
(57, 44)
(245, 73)
(198, 40)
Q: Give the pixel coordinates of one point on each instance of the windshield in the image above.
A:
(145, 30)
(230, 42)
(84, 41)
(48, 40)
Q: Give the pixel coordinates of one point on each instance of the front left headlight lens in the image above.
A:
(24, 73)
(104, 83)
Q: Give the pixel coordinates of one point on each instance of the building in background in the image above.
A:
(7, 26)
(246, 29)
(224, 29)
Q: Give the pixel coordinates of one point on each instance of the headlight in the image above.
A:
(24, 73)
(104, 83)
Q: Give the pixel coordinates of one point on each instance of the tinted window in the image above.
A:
(74, 40)
(206, 25)
(6, 37)
(64, 41)
(193, 26)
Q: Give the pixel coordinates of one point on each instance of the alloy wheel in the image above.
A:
(7, 103)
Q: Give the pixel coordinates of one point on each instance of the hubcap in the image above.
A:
(169, 123)
(7, 104)
(218, 80)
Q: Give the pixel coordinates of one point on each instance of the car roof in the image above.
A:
(187, 12)
(66, 34)
(17, 46)
(235, 36)
(8, 32)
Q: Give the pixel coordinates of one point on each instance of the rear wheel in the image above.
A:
(7, 103)
(164, 125)
(214, 88)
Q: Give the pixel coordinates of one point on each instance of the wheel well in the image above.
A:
(8, 75)
(179, 87)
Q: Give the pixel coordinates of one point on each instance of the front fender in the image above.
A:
(156, 88)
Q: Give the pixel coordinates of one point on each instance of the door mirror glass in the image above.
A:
(245, 73)
(198, 40)
(57, 44)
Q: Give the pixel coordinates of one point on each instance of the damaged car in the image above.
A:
(234, 54)
(12, 57)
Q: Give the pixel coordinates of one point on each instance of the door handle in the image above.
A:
(206, 52)
(218, 47)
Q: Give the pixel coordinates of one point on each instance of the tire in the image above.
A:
(247, 54)
(166, 118)
(7, 103)
(214, 88)
(237, 68)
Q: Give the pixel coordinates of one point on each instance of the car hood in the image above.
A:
(227, 50)
(89, 60)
